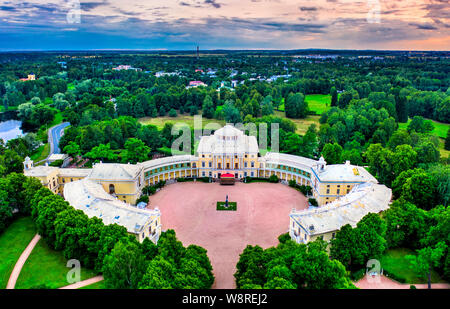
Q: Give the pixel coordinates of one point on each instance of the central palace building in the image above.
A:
(345, 193)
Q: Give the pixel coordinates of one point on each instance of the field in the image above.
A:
(12, 242)
(302, 124)
(440, 129)
(179, 120)
(394, 262)
(46, 267)
(318, 103)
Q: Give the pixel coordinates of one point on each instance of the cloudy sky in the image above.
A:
(224, 24)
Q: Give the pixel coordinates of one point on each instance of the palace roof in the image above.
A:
(90, 197)
(114, 171)
(349, 209)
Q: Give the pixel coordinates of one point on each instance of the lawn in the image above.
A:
(12, 243)
(47, 267)
(394, 262)
(232, 206)
(179, 120)
(95, 286)
(41, 153)
(318, 103)
(302, 124)
(440, 129)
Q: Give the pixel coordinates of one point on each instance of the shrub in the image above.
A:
(273, 178)
(313, 202)
(172, 113)
(143, 198)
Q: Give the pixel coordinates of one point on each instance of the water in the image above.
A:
(10, 129)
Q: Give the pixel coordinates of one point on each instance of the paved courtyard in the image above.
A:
(262, 215)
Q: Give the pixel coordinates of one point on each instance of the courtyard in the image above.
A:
(262, 215)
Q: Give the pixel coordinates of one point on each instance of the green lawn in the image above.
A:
(95, 286)
(41, 153)
(232, 206)
(46, 266)
(12, 243)
(179, 120)
(394, 262)
(440, 129)
(318, 103)
(302, 124)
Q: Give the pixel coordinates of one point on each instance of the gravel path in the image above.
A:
(83, 283)
(21, 261)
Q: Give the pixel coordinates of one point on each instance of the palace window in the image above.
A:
(338, 191)
(203, 164)
(210, 164)
(253, 164)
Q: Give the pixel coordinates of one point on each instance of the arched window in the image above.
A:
(112, 189)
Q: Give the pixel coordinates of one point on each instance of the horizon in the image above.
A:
(175, 25)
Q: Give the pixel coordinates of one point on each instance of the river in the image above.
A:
(10, 129)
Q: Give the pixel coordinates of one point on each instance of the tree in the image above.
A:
(406, 224)
(208, 107)
(420, 190)
(296, 106)
(102, 152)
(135, 151)
(158, 275)
(426, 259)
(420, 125)
(125, 266)
(72, 149)
(334, 96)
(172, 113)
(332, 153)
(6, 214)
(342, 245)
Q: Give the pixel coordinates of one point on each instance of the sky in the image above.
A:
(224, 24)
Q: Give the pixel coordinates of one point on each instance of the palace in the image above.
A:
(344, 192)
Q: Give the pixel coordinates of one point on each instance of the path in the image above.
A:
(54, 135)
(21, 261)
(387, 283)
(83, 283)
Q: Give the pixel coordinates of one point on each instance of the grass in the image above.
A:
(41, 153)
(179, 121)
(394, 262)
(440, 129)
(302, 124)
(444, 153)
(232, 206)
(95, 286)
(12, 243)
(318, 103)
(46, 266)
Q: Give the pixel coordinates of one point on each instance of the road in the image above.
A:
(54, 135)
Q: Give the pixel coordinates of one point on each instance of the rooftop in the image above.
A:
(345, 172)
(90, 197)
(349, 209)
(109, 171)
